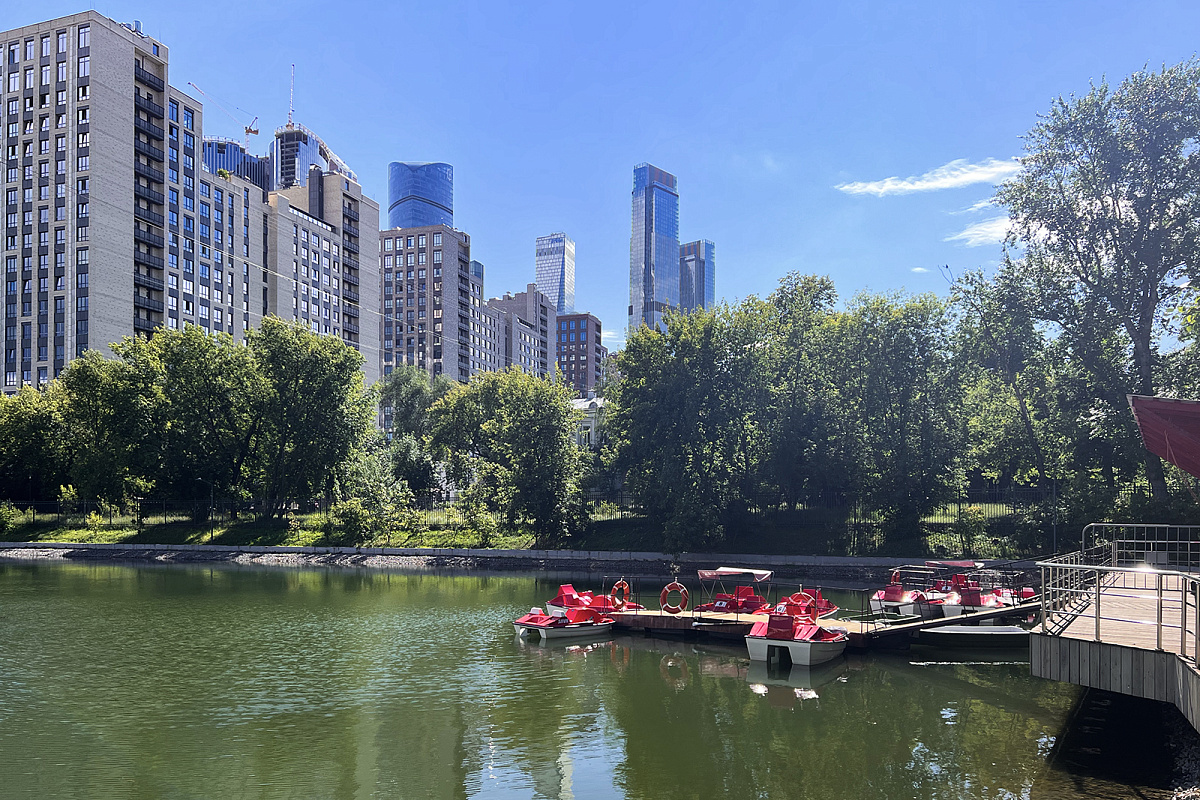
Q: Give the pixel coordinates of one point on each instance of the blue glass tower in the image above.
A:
(554, 266)
(653, 246)
(420, 194)
(229, 155)
(697, 275)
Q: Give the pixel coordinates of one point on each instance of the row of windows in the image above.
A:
(413, 259)
(84, 34)
(48, 74)
(387, 244)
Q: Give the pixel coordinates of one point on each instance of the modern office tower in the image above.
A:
(420, 194)
(432, 302)
(554, 259)
(580, 353)
(230, 156)
(529, 326)
(653, 246)
(325, 272)
(295, 150)
(697, 275)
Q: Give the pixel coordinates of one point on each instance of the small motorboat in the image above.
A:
(568, 598)
(805, 642)
(575, 622)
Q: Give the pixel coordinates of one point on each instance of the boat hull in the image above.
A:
(805, 654)
(562, 631)
(975, 636)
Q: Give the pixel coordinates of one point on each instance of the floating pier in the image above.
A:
(864, 635)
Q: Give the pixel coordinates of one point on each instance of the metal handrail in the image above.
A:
(1072, 589)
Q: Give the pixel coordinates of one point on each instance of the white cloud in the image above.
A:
(956, 174)
(611, 338)
(919, 270)
(989, 231)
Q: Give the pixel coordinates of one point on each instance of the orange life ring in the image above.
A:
(673, 586)
(895, 577)
(620, 601)
(664, 669)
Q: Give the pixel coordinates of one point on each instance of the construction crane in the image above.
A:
(249, 129)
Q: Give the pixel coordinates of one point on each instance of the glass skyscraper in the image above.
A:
(294, 150)
(554, 260)
(229, 155)
(697, 275)
(420, 194)
(653, 246)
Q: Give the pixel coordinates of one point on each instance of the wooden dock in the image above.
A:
(863, 635)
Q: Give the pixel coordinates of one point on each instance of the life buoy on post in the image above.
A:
(895, 577)
(673, 586)
(619, 601)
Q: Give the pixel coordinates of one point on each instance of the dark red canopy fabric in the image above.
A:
(1170, 429)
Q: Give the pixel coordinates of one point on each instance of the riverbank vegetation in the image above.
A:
(984, 422)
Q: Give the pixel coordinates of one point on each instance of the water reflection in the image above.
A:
(148, 683)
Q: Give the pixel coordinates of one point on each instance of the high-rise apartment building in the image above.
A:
(554, 262)
(420, 194)
(433, 303)
(165, 242)
(653, 246)
(580, 352)
(529, 324)
(697, 275)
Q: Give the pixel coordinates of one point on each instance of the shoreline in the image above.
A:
(858, 572)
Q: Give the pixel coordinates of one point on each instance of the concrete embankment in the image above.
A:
(831, 570)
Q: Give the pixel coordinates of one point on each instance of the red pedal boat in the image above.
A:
(806, 642)
(575, 622)
(567, 598)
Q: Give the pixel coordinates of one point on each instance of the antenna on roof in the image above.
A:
(292, 97)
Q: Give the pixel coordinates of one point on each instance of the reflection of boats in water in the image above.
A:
(784, 687)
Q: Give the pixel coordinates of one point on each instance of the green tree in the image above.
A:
(1107, 207)
(33, 449)
(314, 412)
(509, 440)
(408, 392)
(688, 418)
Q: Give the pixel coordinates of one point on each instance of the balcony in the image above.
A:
(149, 173)
(147, 260)
(146, 237)
(149, 78)
(149, 128)
(148, 150)
(349, 247)
(146, 193)
(350, 229)
(147, 215)
(350, 279)
(349, 213)
(149, 106)
(349, 311)
(141, 301)
(350, 294)
(147, 282)
(143, 324)
(350, 327)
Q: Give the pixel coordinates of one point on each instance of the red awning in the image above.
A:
(1170, 429)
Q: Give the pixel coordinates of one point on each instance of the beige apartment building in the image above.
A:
(527, 330)
(113, 227)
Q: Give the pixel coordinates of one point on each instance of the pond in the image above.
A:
(179, 682)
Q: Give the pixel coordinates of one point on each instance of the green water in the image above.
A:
(186, 682)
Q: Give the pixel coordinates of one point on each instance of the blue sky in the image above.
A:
(782, 121)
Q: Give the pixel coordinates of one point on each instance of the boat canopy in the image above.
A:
(955, 564)
(1170, 429)
(759, 575)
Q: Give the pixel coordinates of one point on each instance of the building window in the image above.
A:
(85, 66)
(187, 118)
(85, 36)
(173, 111)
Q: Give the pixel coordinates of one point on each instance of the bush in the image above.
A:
(93, 522)
(9, 517)
(969, 526)
(353, 520)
